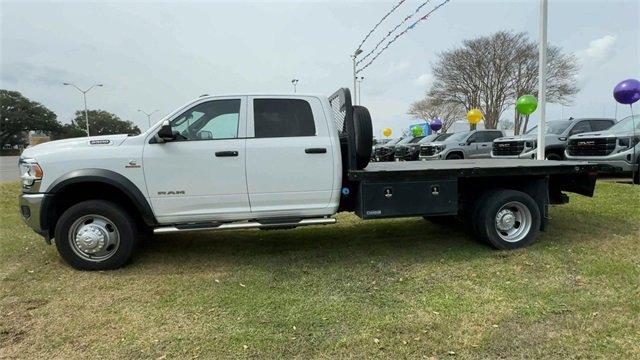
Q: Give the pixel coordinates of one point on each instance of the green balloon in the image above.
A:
(526, 104)
(416, 131)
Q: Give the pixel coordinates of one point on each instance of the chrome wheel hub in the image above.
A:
(90, 239)
(505, 220)
(94, 238)
(513, 221)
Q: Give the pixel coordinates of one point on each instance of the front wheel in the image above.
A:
(454, 156)
(507, 219)
(636, 173)
(96, 235)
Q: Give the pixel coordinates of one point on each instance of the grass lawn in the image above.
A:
(385, 289)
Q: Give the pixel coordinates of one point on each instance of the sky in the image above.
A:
(160, 55)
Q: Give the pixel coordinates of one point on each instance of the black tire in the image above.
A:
(124, 225)
(454, 156)
(636, 173)
(363, 135)
(487, 210)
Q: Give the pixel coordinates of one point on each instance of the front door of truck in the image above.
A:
(200, 176)
(482, 141)
(290, 156)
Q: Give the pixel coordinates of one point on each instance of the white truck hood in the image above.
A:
(75, 143)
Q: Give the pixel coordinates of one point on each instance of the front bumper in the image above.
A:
(30, 209)
(615, 163)
(431, 157)
(529, 154)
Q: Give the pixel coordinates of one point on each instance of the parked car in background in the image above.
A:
(411, 151)
(557, 134)
(384, 152)
(617, 149)
(464, 145)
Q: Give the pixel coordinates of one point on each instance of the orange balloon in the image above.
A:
(474, 116)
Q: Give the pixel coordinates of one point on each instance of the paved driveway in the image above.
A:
(9, 168)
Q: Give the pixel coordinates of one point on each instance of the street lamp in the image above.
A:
(354, 56)
(294, 82)
(359, 80)
(148, 115)
(84, 96)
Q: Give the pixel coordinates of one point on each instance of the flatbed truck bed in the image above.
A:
(468, 168)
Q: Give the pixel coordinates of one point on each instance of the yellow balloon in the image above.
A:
(474, 116)
(386, 132)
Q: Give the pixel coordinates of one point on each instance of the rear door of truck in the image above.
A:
(290, 160)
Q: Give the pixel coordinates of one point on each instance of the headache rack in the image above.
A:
(342, 111)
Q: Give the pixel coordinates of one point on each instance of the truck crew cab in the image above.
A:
(268, 161)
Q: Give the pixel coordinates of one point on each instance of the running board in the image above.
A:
(242, 225)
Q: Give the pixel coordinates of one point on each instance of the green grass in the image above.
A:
(386, 289)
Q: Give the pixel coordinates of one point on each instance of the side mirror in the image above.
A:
(165, 133)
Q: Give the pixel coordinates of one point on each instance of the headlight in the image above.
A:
(30, 172)
(627, 142)
(439, 148)
(531, 144)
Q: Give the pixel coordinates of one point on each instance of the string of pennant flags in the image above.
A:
(380, 22)
(395, 38)
(407, 18)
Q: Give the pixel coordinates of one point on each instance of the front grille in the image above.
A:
(428, 150)
(383, 153)
(401, 151)
(508, 148)
(591, 147)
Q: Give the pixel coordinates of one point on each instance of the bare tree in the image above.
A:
(430, 108)
(490, 72)
(561, 74)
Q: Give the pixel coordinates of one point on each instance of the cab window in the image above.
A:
(211, 120)
(282, 118)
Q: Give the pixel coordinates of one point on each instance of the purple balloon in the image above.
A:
(627, 91)
(436, 124)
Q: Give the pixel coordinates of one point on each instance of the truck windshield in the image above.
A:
(442, 137)
(626, 124)
(555, 127)
(428, 138)
(459, 136)
(416, 139)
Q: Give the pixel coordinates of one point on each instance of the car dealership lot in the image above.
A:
(401, 288)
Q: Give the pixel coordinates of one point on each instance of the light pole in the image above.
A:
(354, 56)
(359, 82)
(148, 115)
(542, 79)
(84, 97)
(294, 82)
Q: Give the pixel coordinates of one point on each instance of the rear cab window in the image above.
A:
(283, 118)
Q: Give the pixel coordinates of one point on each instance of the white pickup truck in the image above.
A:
(268, 161)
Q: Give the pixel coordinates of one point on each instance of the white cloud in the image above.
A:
(601, 48)
(424, 80)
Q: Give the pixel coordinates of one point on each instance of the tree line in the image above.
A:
(19, 115)
(490, 73)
